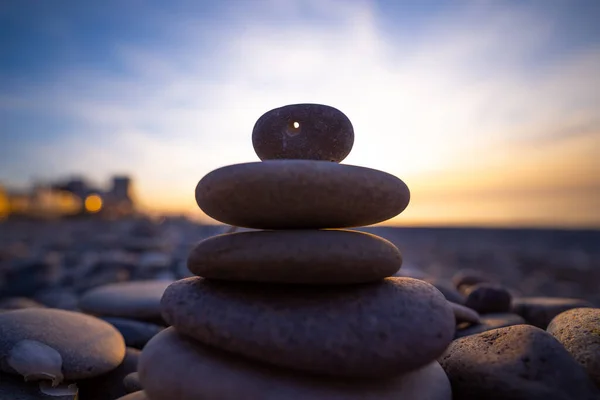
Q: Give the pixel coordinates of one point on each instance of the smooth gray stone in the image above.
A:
(111, 385)
(464, 314)
(19, 303)
(88, 346)
(518, 362)
(173, 366)
(447, 289)
(372, 329)
(298, 256)
(464, 278)
(135, 300)
(303, 131)
(135, 333)
(539, 311)
(486, 298)
(300, 194)
(132, 383)
(487, 323)
(13, 387)
(63, 298)
(579, 332)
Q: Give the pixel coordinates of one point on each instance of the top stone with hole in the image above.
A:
(303, 131)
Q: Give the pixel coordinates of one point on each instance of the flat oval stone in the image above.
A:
(579, 332)
(517, 362)
(303, 131)
(136, 300)
(539, 311)
(301, 256)
(300, 194)
(371, 329)
(171, 366)
(88, 346)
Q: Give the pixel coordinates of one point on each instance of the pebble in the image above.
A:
(303, 131)
(468, 277)
(539, 311)
(62, 298)
(13, 387)
(489, 322)
(517, 362)
(132, 383)
(88, 346)
(447, 289)
(29, 277)
(464, 314)
(172, 365)
(579, 332)
(375, 329)
(110, 385)
(136, 300)
(141, 395)
(18, 303)
(300, 194)
(302, 256)
(135, 333)
(486, 298)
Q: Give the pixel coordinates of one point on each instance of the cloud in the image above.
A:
(473, 91)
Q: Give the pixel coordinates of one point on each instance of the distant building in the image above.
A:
(72, 197)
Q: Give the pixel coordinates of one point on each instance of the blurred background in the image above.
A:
(110, 113)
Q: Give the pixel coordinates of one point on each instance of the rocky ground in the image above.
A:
(88, 296)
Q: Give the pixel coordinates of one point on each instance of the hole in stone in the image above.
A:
(293, 128)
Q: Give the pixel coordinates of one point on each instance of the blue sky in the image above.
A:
(459, 98)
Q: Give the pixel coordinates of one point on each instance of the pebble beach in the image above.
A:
(294, 304)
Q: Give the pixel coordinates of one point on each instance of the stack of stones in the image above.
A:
(298, 308)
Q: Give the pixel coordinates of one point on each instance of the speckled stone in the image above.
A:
(135, 333)
(136, 300)
(132, 383)
(464, 314)
(486, 298)
(372, 329)
(111, 385)
(13, 387)
(539, 311)
(88, 346)
(172, 366)
(487, 323)
(302, 256)
(579, 332)
(300, 194)
(303, 131)
(517, 362)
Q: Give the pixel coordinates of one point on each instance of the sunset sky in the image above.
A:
(488, 110)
